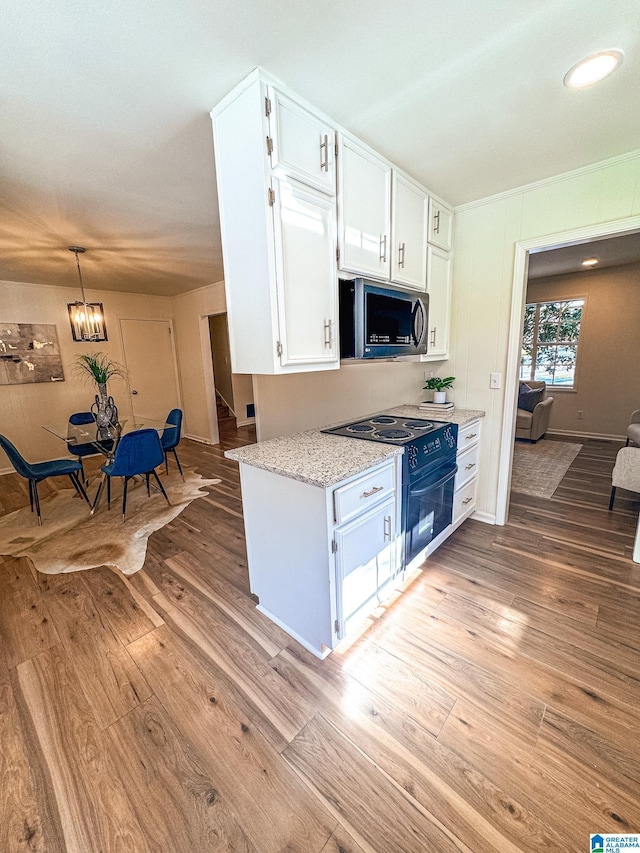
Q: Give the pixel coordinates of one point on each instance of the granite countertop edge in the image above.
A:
(322, 460)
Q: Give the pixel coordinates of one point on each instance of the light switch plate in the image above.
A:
(495, 381)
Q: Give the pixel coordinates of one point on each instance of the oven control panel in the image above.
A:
(430, 449)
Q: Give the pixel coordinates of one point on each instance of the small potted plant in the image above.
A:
(438, 386)
(100, 368)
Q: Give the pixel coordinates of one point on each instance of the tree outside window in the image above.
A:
(550, 342)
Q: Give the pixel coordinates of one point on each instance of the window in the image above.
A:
(550, 342)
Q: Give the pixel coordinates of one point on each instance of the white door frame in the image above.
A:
(519, 291)
(209, 378)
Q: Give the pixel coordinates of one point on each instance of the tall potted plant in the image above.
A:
(439, 386)
(100, 369)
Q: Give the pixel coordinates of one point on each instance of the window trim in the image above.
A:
(573, 388)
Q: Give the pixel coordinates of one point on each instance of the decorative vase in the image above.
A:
(105, 412)
(439, 396)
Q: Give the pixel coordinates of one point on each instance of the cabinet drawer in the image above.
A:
(467, 435)
(365, 492)
(467, 465)
(464, 500)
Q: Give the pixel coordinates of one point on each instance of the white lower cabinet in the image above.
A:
(464, 496)
(315, 576)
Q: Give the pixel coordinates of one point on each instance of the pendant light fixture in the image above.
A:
(86, 318)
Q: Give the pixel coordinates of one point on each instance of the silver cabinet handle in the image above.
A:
(470, 436)
(433, 336)
(328, 333)
(371, 491)
(469, 466)
(436, 222)
(466, 501)
(134, 392)
(324, 156)
(401, 249)
(383, 248)
(387, 528)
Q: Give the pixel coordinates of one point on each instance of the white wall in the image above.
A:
(299, 401)
(191, 334)
(24, 409)
(486, 234)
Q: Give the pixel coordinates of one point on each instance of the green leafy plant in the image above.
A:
(435, 383)
(99, 367)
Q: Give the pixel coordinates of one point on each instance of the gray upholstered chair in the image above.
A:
(633, 430)
(533, 425)
(626, 472)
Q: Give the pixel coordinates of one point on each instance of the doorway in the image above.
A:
(523, 250)
(150, 359)
(222, 377)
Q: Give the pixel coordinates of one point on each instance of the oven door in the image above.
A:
(427, 507)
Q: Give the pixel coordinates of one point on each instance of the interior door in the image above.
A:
(151, 367)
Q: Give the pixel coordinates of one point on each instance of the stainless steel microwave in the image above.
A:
(380, 321)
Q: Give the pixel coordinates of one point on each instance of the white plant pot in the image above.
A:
(439, 396)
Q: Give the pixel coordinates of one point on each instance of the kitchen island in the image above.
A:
(323, 526)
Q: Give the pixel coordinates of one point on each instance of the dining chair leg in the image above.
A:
(124, 498)
(612, 498)
(108, 492)
(31, 494)
(179, 465)
(84, 476)
(96, 500)
(36, 499)
(146, 476)
(155, 474)
(166, 463)
(77, 483)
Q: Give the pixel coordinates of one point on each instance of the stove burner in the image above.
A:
(383, 419)
(393, 434)
(418, 424)
(360, 428)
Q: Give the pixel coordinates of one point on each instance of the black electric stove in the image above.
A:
(428, 471)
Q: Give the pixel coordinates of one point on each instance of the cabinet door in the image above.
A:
(365, 562)
(409, 226)
(439, 290)
(303, 145)
(306, 276)
(364, 211)
(440, 225)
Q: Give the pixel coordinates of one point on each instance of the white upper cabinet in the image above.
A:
(306, 274)
(439, 290)
(440, 231)
(364, 212)
(278, 224)
(409, 233)
(300, 143)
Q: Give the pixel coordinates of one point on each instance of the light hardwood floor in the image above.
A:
(494, 706)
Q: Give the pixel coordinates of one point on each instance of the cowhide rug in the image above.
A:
(71, 539)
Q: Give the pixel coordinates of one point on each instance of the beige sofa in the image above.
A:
(533, 425)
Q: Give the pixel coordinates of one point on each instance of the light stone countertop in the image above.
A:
(323, 460)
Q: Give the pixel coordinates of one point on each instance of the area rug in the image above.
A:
(71, 539)
(539, 468)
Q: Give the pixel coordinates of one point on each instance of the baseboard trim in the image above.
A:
(197, 438)
(484, 517)
(602, 436)
(322, 655)
(4, 471)
(245, 422)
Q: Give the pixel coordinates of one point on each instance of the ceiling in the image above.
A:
(105, 137)
(610, 252)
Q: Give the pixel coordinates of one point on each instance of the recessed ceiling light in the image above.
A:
(592, 69)
(589, 262)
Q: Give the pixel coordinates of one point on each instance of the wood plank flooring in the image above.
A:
(493, 706)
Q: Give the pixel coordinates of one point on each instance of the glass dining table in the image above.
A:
(104, 440)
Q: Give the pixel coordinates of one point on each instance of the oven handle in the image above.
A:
(418, 312)
(451, 472)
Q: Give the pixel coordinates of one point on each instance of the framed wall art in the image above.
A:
(29, 353)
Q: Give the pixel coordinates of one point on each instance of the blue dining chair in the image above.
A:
(170, 438)
(137, 452)
(91, 448)
(34, 472)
